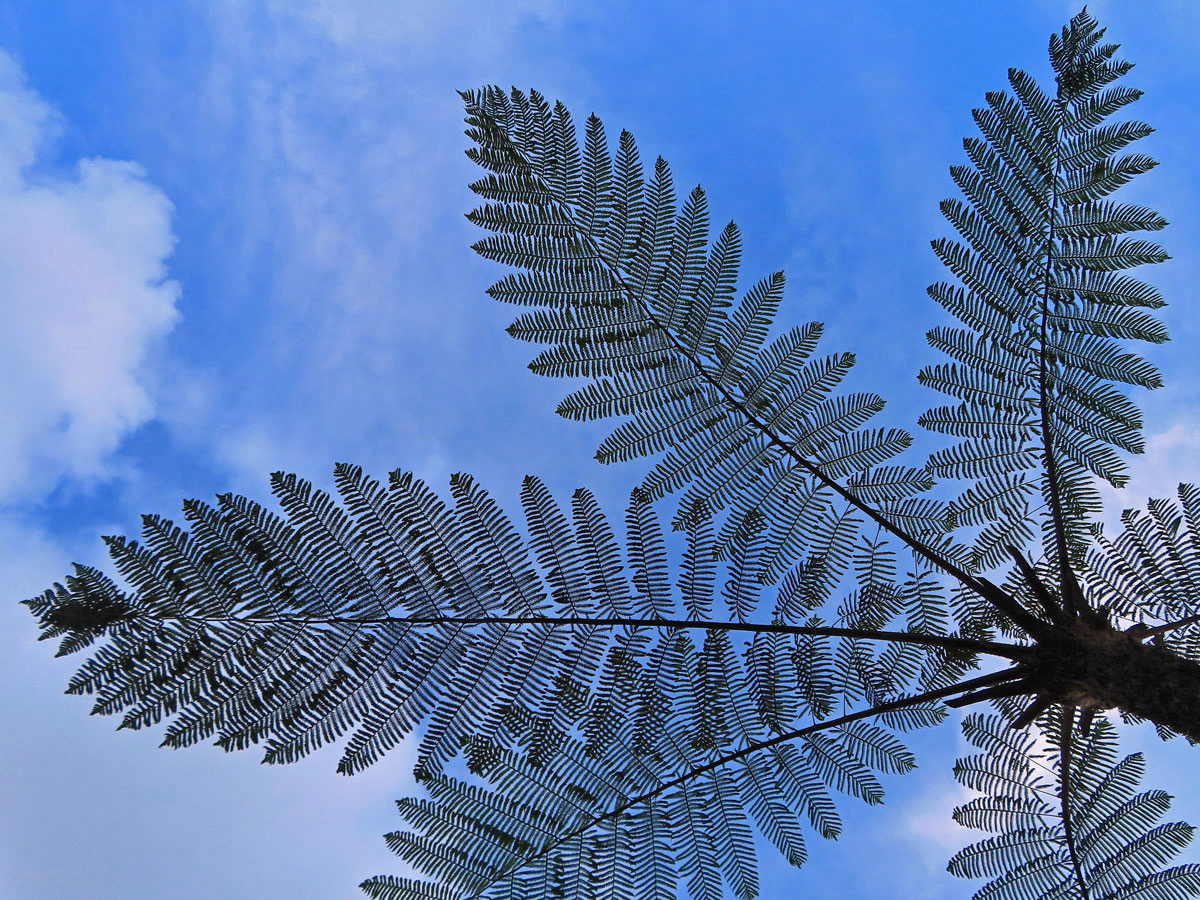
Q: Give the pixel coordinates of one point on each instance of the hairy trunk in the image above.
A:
(1102, 668)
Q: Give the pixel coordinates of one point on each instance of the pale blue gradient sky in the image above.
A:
(283, 279)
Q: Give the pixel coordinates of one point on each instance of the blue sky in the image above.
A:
(233, 242)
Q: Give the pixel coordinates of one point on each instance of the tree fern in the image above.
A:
(594, 719)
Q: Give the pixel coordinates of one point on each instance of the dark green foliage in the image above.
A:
(613, 818)
(1043, 303)
(395, 611)
(628, 293)
(1151, 571)
(1117, 837)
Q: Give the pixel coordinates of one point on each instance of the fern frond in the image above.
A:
(395, 611)
(606, 732)
(690, 801)
(1101, 841)
(1149, 574)
(637, 301)
(1042, 301)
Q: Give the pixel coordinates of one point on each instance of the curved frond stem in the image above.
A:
(1038, 706)
(1067, 727)
(1053, 610)
(982, 586)
(1146, 633)
(997, 692)
(749, 750)
(946, 642)
(1072, 596)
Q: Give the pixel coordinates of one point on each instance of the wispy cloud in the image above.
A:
(86, 296)
(1170, 458)
(383, 27)
(333, 138)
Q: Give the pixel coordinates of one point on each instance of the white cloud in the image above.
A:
(1170, 458)
(350, 132)
(82, 262)
(934, 834)
(343, 253)
(382, 26)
